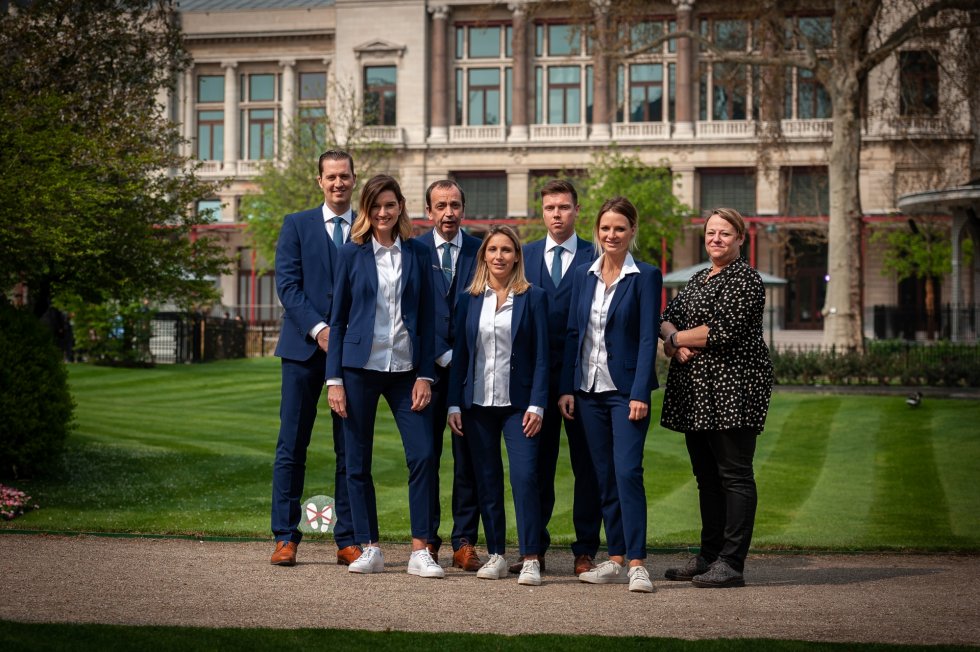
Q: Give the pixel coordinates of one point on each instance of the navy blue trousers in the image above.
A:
(616, 444)
(466, 509)
(302, 383)
(364, 390)
(482, 427)
(586, 508)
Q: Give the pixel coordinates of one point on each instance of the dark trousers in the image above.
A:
(722, 464)
(466, 509)
(482, 427)
(586, 508)
(302, 383)
(616, 444)
(364, 389)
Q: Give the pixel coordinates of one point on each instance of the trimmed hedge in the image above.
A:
(36, 407)
(884, 362)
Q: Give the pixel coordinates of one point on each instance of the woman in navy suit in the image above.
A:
(607, 377)
(382, 344)
(499, 384)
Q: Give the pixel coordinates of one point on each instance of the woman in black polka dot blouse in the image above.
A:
(717, 394)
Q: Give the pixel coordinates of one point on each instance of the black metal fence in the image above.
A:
(951, 321)
(181, 337)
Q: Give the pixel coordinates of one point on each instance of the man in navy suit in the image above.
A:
(453, 260)
(549, 263)
(306, 260)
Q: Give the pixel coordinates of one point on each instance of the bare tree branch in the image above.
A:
(913, 27)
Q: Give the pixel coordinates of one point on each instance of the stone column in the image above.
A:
(231, 117)
(188, 97)
(600, 105)
(288, 103)
(439, 98)
(684, 126)
(519, 122)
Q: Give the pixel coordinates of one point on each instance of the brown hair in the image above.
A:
(559, 187)
(334, 155)
(445, 184)
(622, 206)
(731, 216)
(517, 283)
(360, 231)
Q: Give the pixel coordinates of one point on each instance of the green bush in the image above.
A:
(112, 333)
(35, 405)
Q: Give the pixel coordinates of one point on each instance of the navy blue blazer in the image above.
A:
(631, 331)
(539, 274)
(529, 350)
(355, 296)
(306, 262)
(446, 308)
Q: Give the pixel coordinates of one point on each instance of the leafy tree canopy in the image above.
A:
(98, 203)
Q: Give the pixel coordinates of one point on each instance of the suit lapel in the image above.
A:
(585, 301)
(625, 286)
(327, 249)
(370, 267)
(520, 305)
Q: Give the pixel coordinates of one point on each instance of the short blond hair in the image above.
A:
(731, 216)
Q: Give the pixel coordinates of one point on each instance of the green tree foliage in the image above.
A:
(661, 215)
(97, 202)
(288, 184)
(35, 403)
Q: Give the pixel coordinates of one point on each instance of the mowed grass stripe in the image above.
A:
(909, 498)
(789, 472)
(840, 500)
(954, 440)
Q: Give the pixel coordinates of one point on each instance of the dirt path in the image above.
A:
(924, 599)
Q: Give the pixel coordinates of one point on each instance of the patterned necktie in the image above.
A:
(338, 232)
(556, 265)
(447, 262)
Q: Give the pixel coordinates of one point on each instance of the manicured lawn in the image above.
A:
(188, 450)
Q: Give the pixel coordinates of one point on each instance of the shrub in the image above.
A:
(35, 404)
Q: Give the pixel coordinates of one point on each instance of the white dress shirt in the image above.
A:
(595, 358)
(491, 378)
(345, 224)
(391, 349)
(569, 247)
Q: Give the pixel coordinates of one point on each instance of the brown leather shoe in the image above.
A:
(516, 568)
(466, 558)
(433, 551)
(285, 554)
(346, 555)
(583, 563)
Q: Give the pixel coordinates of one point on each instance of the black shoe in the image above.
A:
(719, 576)
(695, 566)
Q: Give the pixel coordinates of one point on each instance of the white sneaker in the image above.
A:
(370, 561)
(640, 580)
(530, 573)
(494, 569)
(608, 572)
(422, 564)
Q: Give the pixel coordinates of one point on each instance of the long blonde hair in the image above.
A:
(360, 231)
(517, 283)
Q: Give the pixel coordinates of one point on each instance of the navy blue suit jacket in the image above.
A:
(539, 274)
(306, 262)
(446, 307)
(529, 350)
(631, 331)
(355, 295)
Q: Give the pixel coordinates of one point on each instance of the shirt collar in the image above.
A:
(328, 214)
(629, 266)
(570, 245)
(439, 240)
(379, 247)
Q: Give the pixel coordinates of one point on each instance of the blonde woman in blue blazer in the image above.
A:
(499, 384)
(608, 375)
(382, 344)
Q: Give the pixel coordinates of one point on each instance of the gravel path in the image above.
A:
(888, 598)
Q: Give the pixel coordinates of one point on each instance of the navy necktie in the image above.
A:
(556, 265)
(338, 232)
(447, 262)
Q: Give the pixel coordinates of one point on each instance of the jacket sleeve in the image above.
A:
(459, 369)
(340, 314)
(539, 314)
(645, 380)
(567, 380)
(427, 315)
(290, 284)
